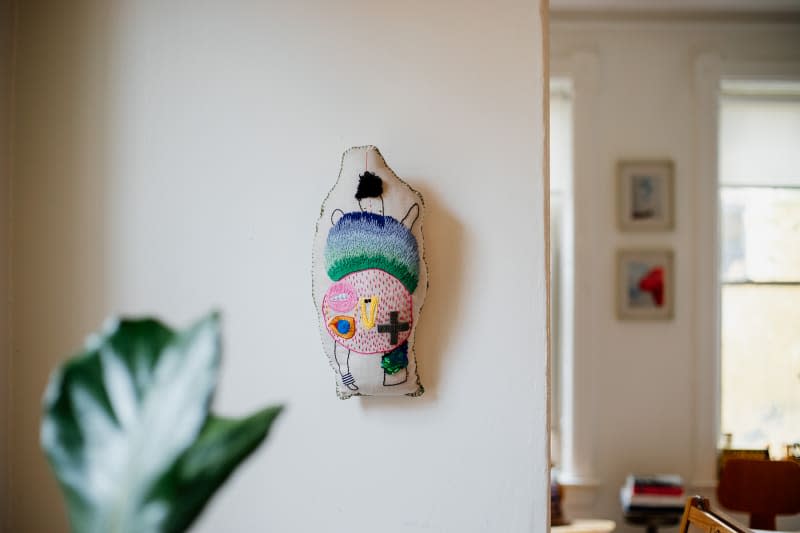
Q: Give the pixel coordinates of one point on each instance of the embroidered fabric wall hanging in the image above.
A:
(370, 277)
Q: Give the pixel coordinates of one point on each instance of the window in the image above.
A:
(759, 198)
(560, 197)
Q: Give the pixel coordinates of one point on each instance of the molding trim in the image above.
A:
(678, 5)
(706, 323)
(573, 481)
(703, 484)
(786, 17)
(717, 10)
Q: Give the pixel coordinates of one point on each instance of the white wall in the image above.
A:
(6, 67)
(172, 157)
(635, 396)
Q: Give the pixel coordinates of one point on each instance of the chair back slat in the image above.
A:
(698, 513)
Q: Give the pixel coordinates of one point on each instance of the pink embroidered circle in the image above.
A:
(381, 310)
(342, 297)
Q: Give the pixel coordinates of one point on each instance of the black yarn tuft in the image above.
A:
(369, 186)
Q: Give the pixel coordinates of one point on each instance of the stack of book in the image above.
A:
(660, 493)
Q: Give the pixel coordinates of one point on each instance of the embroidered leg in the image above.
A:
(347, 377)
(398, 378)
(395, 366)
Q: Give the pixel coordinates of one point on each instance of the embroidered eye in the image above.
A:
(343, 326)
(342, 297)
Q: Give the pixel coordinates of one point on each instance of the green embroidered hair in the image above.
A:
(362, 240)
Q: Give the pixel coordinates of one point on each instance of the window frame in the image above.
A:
(576, 470)
(710, 72)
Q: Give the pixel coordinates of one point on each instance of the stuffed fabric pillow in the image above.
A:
(370, 277)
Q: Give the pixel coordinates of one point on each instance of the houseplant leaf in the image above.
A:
(221, 446)
(128, 433)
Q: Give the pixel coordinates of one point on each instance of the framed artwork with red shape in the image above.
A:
(645, 286)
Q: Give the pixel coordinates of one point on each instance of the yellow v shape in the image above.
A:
(369, 310)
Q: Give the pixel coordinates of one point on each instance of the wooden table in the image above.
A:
(586, 526)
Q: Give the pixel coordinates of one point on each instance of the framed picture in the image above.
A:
(645, 284)
(645, 195)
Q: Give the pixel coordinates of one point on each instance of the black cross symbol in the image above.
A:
(393, 328)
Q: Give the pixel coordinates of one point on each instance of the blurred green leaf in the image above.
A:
(128, 432)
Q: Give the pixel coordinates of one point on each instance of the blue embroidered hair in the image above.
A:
(362, 240)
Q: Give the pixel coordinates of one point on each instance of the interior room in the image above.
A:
(441, 266)
(711, 89)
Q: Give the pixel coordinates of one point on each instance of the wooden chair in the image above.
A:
(762, 488)
(698, 513)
